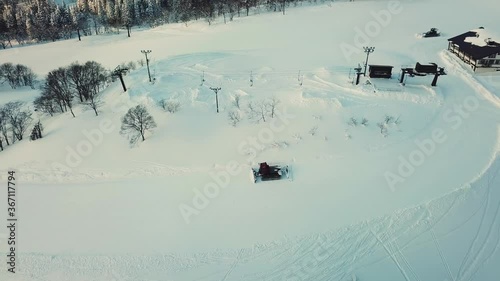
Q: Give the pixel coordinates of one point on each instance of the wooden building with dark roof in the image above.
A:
(476, 48)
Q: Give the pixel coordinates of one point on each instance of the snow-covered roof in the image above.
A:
(478, 43)
(482, 37)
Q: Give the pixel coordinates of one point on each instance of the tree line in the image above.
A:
(62, 89)
(24, 21)
(17, 75)
(66, 86)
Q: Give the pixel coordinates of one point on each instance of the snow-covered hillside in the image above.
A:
(417, 199)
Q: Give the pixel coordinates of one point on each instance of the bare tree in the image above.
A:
(364, 122)
(352, 122)
(4, 125)
(272, 104)
(258, 110)
(136, 122)
(19, 119)
(313, 130)
(64, 84)
(46, 104)
(262, 109)
(163, 104)
(94, 101)
(86, 82)
(234, 117)
(21, 123)
(58, 85)
(17, 75)
(97, 75)
(383, 128)
(48, 95)
(236, 101)
(8, 73)
(388, 119)
(77, 77)
(10, 111)
(25, 76)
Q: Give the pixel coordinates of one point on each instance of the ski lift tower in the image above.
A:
(368, 51)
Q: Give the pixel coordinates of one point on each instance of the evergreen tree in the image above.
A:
(31, 28)
(128, 13)
(102, 16)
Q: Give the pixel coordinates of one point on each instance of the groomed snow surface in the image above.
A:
(419, 201)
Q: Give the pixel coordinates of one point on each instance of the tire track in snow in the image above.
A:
(401, 269)
(397, 249)
(233, 265)
(476, 236)
(441, 255)
(462, 272)
(495, 249)
(477, 258)
(285, 265)
(349, 244)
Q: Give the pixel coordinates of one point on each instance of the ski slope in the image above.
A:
(419, 202)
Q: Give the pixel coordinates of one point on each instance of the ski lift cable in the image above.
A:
(257, 73)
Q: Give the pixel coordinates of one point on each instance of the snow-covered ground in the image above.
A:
(420, 202)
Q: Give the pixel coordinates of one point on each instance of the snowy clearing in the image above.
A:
(389, 182)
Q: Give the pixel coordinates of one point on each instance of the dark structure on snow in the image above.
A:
(380, 71)
(426, 68)
(267, 172)
(423, 70)
(432, 33)
(477, 49)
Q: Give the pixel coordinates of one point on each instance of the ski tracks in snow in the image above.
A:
(479, 245)
(233, 265)
(336, 255)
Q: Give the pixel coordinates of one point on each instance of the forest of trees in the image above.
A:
(25, 21)
(31, 21)
(66, 86)
(17, 75)
(62, 89)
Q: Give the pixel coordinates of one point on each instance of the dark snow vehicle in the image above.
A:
(431, 33)
(267, 172)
